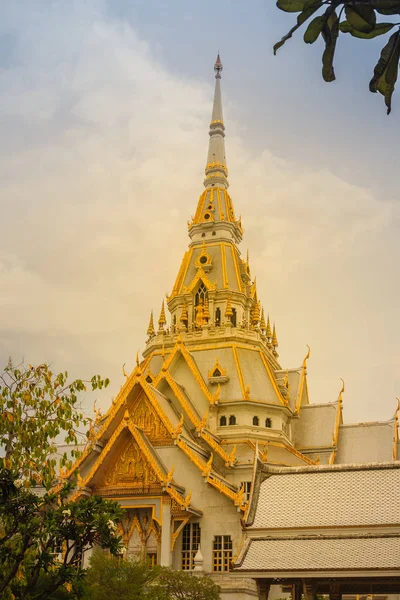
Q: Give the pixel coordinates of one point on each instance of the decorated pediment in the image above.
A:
(130, 469)
(198, 278)
(145, 417)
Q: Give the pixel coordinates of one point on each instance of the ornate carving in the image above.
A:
(146, 418)
(130, 468)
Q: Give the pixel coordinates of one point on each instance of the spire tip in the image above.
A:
(218, 67)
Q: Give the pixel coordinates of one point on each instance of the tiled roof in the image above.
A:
(322, 554)
(329, 499)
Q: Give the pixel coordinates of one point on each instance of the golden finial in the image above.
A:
(268, 332)
(240, 496)
(138, 369)
(317, 460)
(126, 414)
(169, 476)
(184, 315)
(79, 480)
(150, 329)
(203, 422)
(263, 324)
(123, 371)
(286, 379)
(340, 397)
(97, 412)
(231, 457)
(188, 498)
(274, 337)
(179, 427)
(162, 320)
(228, 310)
(255, 314)
(207, 469)
(306, 357)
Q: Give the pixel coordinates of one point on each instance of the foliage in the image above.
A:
(37, 406)
(109, 577)
(357, 18)
(42, 538)
(178, 585)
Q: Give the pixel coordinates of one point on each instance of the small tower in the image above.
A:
(162, 320)
(150, 330)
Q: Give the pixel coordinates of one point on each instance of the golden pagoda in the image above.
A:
(178, 446)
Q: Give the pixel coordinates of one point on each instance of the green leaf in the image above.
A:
(380, 29)
(314, 29)
(302, 18)
(330, 33)
(386, 70)
(362, 18)
(291, 5)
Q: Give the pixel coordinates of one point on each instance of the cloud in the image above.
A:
(101, 167)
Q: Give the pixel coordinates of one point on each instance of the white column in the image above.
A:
(165, 559)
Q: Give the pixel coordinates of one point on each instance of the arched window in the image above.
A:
(201, 294)
(214, 233)
(268, 423)
(232, 420)
(222, 421)
(234, 317)
(149, 379)
(218, 317)
(256, 421)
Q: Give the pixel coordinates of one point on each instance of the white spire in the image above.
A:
(216, 171)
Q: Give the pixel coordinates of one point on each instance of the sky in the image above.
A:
(104, 112)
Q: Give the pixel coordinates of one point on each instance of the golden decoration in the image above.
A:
(217, 370)
(247, 392)
(203, 422)
(216, 397)
(150, 330)
(162, 320)
(168, 479)
(147, 419)
(268, 331)
(179, 427)
(207, 469)
(130, 467)
(188, 499)
(306, 357)
(124, 372)
(263, 325)
(228, 310)
(231, 458)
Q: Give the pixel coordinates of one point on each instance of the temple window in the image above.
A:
(190, 545)
(268, 423)
(256, 421)
(222, 552)
(222, 421)
(203, 235)
(151, 558)
(217, 373)
(246, 485)
(214, 233)
(201, 294)
(232, 420)
(234, 317)
(217, 317)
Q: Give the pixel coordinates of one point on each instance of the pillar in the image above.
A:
(166, 556)
(334, 591)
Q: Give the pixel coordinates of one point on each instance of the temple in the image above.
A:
(180, 445)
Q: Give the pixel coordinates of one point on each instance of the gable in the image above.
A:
(145, 417)
(129, 468)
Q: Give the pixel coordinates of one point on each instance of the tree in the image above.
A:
(42, 537)
(109, 577)
(36, 407)
(359, 18)
(178, 585)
